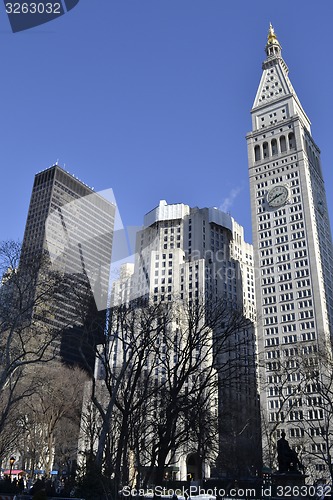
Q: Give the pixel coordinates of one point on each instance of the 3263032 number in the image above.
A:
(300, 491)
(33, 8)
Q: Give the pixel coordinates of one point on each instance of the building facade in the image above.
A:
(198, 256)
(174, 237)
(70, 226)
(293, 258)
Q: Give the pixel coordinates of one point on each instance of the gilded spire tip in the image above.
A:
(271, 34)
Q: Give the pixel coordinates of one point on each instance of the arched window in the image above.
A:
(291, 138)
(274, 147)
(265, 149)
(283, 144)
(257, 156)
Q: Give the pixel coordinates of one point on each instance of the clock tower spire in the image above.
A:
(293, 252)
(275, 87)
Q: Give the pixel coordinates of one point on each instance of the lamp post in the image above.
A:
(11, 461)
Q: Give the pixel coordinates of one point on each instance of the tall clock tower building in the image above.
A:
(292, 241)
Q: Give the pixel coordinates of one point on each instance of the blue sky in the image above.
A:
(152, 98)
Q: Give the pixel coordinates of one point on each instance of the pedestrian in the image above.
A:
(20, 484)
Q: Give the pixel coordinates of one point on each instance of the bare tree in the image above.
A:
(10, 399)
(49, 419)
(316, 427)
(283, 383)
(28, 336)
(27, 291)
(203, 369)
(300, 385)
(121, 360)
(160, 368)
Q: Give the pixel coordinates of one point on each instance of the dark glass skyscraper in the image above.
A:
(71, 226)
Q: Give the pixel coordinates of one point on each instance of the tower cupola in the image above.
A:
(273, 47)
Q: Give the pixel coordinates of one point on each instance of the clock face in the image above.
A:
(277, 196)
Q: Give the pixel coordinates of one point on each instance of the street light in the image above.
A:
(11, 461)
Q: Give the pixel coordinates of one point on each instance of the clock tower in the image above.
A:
(293, 256)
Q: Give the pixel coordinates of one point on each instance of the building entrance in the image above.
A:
(193, 467)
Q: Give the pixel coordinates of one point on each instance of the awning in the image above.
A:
(7, 472)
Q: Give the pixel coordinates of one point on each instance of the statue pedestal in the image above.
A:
(289, 485)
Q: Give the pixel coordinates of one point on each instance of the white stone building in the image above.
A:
(185, 255)
(293, 256)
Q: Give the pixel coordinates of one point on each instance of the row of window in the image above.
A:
(286, 277)
(291, 351)
(292, 416)
(304, 325)
(282, 267)
(280, 230)
(290, 306)
(288, 177)
(294, 402)
(284, 297)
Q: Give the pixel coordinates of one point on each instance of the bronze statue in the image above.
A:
(287, 458)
